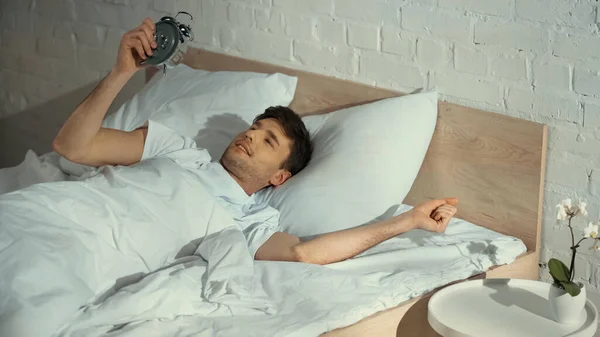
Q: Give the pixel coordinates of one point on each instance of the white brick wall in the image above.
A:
(560, 12)
(433, 54)
(395, 41)
(510, 34)
(322, 58)
(301, 27)
(470, 60)
(432, 21)
(387, 69)
(331, 32)
(366, 37)
(514, 68)
(496, 7)
(241, 16)
(376, 12)
(306, 6)
(586, 82)
(575, 47)
(455, 84)
(552, 75)
(542, 103)
(534, 59)
(592, 116)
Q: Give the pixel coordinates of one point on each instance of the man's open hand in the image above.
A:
(434, 215)
(135, 46)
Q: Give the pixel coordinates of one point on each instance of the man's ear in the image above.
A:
(280, 177)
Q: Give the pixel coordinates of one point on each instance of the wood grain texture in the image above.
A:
(493, 163)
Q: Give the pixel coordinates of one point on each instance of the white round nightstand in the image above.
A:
(502, 307)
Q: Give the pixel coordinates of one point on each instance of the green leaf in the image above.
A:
(556, 281)
(558, 285)
(558, 270)
(571, 287)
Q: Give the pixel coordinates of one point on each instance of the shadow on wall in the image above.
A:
(36, 127)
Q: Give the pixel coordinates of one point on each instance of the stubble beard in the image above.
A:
(240, 167)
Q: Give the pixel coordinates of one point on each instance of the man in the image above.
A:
(274, 148)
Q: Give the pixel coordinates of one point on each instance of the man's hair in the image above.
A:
(294, 128)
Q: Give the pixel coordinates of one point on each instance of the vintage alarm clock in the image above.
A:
(172, 39)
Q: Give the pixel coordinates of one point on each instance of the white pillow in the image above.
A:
(211, 107)
(365, 161)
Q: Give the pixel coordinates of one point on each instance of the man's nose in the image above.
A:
(250, 135)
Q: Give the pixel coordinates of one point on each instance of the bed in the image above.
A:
(497, 172)
(494, 163)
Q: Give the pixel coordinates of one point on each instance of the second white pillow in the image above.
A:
(365, 161)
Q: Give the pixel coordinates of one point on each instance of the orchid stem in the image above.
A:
(574, 250)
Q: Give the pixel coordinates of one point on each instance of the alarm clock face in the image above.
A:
(167, 39)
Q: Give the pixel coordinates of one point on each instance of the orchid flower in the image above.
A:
(567, 210)
(591, 231)
(563, 208)
(582, 206)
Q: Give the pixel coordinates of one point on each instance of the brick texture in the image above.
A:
(535, 59)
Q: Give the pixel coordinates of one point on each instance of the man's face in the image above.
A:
(255, 156)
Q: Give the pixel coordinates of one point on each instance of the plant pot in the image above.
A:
(567, 309)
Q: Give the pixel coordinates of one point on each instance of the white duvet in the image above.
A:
(219, 290)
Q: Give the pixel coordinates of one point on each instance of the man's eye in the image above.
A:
(268, 141)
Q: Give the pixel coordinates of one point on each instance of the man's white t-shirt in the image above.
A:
(258, 221)
(63, 242)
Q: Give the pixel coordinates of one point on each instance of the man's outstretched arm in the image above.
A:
(433, 215)
(82, 139)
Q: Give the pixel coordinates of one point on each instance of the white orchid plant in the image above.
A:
(563, 276)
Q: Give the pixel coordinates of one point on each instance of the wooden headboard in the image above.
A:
(493, 163)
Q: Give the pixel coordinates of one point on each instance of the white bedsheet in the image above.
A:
(221, 291)
(31, 171)
(62, 242)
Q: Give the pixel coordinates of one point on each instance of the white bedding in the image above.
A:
(220, 290)
(31, 171)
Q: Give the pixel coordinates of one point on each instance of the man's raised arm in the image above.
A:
(433, 215)
(82, 138)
